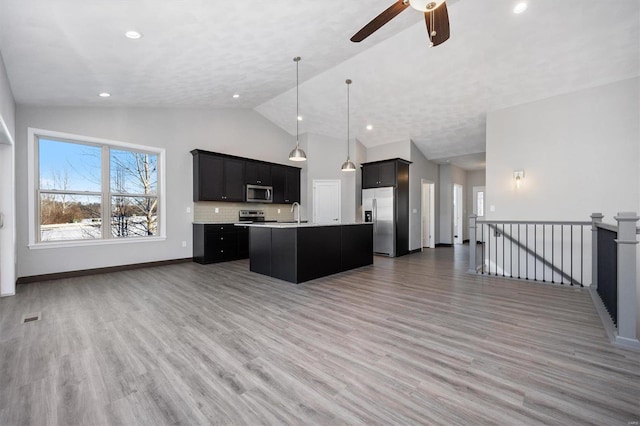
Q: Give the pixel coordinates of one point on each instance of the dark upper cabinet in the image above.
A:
(292, 185)
(258, 173)
(379, 174)
(286, 184)
(221, 177)
(217, 178)
(278, 179)
(207, 177)
(233, 177)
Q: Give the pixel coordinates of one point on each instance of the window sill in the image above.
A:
(84, 243)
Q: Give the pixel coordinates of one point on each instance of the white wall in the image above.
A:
(420, 168)
(238, 132)
(389, 151)
(7, 186)
(579, 152)
(325, 156)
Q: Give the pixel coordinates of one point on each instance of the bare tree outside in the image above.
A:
(134, 187)
(71, 192)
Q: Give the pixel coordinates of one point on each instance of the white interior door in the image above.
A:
(326, 201)
(457, 214)
(428, 215)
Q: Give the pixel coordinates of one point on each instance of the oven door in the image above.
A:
(259, 194)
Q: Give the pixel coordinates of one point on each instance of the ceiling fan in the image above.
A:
(435, 16)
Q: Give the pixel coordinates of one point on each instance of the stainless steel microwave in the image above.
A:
(259, 194)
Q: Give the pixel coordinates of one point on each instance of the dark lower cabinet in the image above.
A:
(219, 243)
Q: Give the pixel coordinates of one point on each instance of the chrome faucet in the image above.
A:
(293, 206)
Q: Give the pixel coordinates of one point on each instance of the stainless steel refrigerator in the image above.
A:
(378, 207)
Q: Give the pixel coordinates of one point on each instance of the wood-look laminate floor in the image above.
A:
(413, 340)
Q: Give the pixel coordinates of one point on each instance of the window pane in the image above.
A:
(69, 217)
(133, 172)
(134, 216)
(69, 166)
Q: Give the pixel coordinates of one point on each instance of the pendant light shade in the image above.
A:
(297, 154)
(348, 165)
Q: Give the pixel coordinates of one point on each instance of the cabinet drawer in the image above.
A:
(223, 228)
(224, 240)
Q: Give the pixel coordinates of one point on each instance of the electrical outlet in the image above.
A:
(492, 208)
(217, 210)
(188, 209)
(184, 244)
(415, 211)
(278, 211)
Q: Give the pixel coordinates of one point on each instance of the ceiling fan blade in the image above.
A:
(379, 21)
(440, 24)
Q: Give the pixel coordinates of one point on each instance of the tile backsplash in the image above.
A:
(205, 211)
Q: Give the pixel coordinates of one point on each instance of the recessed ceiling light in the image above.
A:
(104, 95)
(369, 127)
(520, 7)
(133, 35)
(299, 118)
(236, 96)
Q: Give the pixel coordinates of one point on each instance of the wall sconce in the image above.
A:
(518, 175)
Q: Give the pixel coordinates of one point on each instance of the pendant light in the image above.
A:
(348, 165)
(297, 154)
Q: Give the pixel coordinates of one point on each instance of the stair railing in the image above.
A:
(547, 251)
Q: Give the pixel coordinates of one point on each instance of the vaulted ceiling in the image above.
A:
(198, 53)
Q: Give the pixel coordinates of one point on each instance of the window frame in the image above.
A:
(106, 195)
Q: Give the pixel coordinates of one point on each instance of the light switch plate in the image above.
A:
(188, 209)
(217, 210)
(415, 211)
(492, 208)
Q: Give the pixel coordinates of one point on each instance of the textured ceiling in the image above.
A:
(194, 53)
(198, 53)
(439, 97)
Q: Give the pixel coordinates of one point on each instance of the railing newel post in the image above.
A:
(627, 302)
(473, 267)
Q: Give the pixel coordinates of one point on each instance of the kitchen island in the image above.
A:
(301, 252)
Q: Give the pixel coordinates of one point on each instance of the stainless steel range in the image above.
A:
(251, 216)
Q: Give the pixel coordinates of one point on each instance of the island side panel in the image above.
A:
(260, 250)
(318, 252)
(283, 254)
(357, 246)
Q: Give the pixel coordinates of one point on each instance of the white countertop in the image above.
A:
(301, 225)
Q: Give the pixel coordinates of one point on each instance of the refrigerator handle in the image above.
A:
(374, 205)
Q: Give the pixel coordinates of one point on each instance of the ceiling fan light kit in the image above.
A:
(435, 15)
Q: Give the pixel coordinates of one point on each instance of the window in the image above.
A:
(87, 189)
(480, 205)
